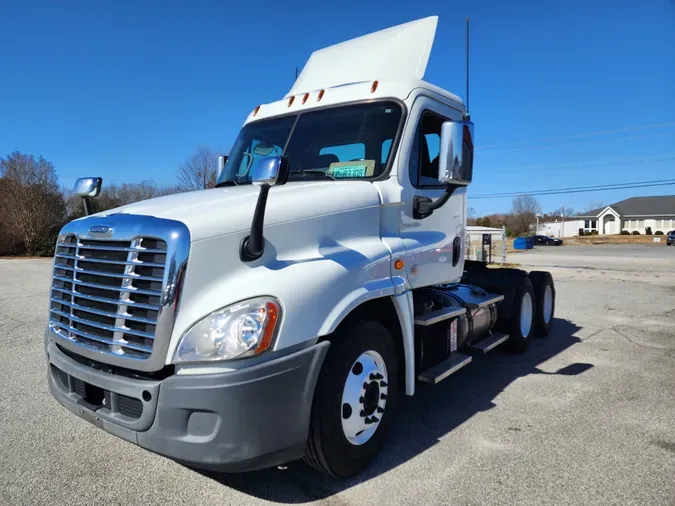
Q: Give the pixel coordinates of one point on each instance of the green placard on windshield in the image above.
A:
(350, 171)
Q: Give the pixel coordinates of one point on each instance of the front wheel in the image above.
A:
(353, 401)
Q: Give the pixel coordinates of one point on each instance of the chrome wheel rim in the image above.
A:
(526, 315)
(548, 304)
(364, 397)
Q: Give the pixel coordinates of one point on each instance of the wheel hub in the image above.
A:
(364, 397)
(371, 398)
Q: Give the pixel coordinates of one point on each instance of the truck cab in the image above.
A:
(283, 313)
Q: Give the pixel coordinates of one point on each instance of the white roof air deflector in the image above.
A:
(399, 53)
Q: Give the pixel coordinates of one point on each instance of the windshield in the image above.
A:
(343, 142)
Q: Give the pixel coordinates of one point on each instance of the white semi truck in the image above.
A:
(283, 313)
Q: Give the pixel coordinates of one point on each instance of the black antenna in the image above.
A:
(296, 73)
(467, 69)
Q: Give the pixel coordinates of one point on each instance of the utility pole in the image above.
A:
(536, 230)
(562, 225)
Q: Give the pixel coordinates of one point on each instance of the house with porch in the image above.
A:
(636, 213)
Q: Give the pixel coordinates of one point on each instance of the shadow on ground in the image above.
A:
(421, 420)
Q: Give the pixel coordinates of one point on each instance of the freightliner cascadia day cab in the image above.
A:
(283, 313)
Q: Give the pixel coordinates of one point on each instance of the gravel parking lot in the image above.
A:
(586, 416)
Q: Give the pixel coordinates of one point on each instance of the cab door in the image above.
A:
(434, 244)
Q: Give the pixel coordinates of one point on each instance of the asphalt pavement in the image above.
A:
(585, 416)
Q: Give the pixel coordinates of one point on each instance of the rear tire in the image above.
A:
(360, 368)
(544, 291)
(521, 323)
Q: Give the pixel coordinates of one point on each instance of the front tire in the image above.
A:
(353, 401)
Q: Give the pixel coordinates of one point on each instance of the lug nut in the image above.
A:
(368, 420)
(383, 397)
(362, 413)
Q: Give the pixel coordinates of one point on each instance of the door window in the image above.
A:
(425, 151)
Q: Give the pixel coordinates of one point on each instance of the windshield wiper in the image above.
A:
(315, 171)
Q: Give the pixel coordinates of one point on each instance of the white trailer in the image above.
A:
(282, 314)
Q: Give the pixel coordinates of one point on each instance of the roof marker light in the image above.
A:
(304, 99)
(320, 95)
(290, 101)
(374, 87)
(255, 111)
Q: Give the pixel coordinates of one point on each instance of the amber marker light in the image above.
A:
(270, 314)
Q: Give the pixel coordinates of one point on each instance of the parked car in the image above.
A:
(670, 238)
(545, 240)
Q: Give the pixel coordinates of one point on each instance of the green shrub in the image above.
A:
(636, 232)
(658, 232)
(594, 232)
(648, 231)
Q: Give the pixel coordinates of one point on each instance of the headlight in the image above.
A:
(241, 330)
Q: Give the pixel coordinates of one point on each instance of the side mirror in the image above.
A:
(270, 170)
(456, 153)
(222, 160)
(87, 187)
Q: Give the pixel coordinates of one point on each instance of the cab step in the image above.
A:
(441, 371)
(434, 317)
(490, 342)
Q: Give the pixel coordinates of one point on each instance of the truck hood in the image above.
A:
(220, 211)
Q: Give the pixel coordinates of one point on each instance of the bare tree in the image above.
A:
(592, 206)
(31, 202)
(564, 211)
(524, 210)
(199, 172)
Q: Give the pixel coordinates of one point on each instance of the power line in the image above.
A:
(654, 159)
(579, 189)
(577, 136)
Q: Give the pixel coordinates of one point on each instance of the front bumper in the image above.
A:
(247, 419)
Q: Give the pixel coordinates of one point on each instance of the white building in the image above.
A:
(569, 228)
(637, 213)
(634, 214)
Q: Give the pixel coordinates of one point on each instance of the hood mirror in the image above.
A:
(266, 172)
(87, 187)
(269, 170)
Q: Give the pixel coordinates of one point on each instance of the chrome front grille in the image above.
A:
(107, 294)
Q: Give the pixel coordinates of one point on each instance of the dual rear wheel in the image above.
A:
(532, 311)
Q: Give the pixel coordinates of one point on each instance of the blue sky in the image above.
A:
(128, 90)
